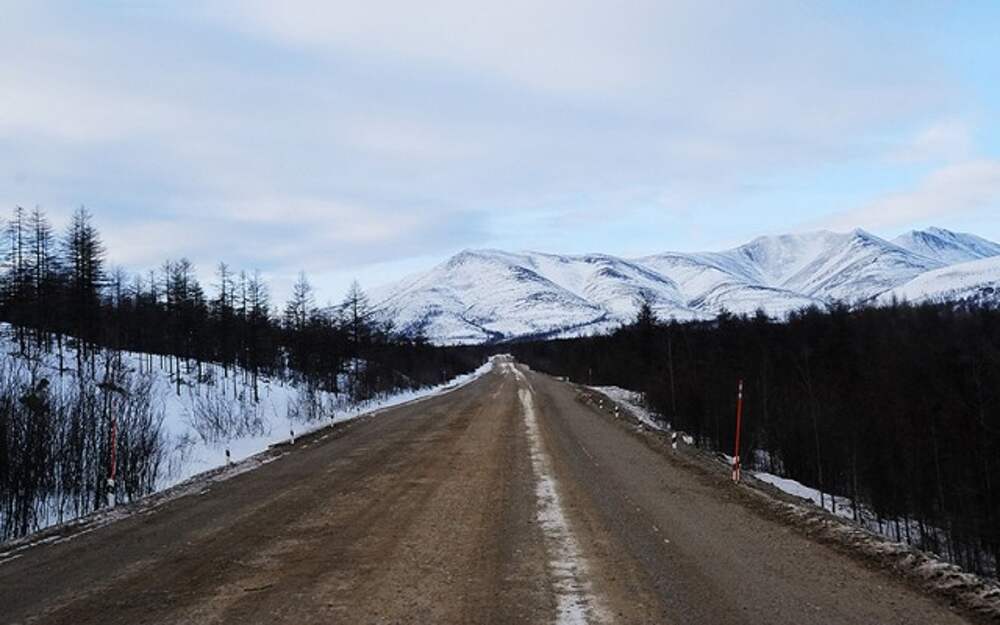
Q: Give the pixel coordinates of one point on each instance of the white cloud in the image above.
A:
(946, 140)
(548, 45)
(948, 193)
(313, 134)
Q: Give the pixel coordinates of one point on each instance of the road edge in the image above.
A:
(975, 596)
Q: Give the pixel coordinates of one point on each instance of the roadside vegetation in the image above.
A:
(83, 344)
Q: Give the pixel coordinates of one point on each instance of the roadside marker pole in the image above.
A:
(114, 462)
(107, 386)
(739, 425)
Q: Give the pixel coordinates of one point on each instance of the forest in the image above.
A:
(894, 407)
(56, 289)
(82, 338)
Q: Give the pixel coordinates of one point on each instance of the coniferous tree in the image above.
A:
(223, 315)
(45, 274)
(258, 324)
(355, 314)
(17, 278)
(84, 258)
(300, 305)
(298, 320)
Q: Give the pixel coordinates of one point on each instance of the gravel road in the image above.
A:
(508, 500)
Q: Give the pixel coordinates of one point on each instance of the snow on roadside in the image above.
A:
(841, 506)
(191, 454)
(898, 530)
(633, 400)
(894, 529)
(879, 539)
(973, 593)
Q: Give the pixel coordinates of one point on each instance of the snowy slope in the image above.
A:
(485, 295)
(856, 267)
(481, 295)
(710, 283)
(773, 260)
(946, 246)
(611, 283)
(976, 281)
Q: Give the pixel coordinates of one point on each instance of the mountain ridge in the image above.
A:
(491, 294)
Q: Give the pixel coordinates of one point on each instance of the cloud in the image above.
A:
(326, 135)
(550, 45)
(947, 140)
(948, 193)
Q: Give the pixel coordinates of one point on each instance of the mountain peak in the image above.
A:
(947, 246)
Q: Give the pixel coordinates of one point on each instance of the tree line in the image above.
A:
(56, 289)
(74, 411)
(897, 408)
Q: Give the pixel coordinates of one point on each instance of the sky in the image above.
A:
(373, 139)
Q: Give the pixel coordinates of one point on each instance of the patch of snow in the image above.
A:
(898, 530)
(635, 404)
(576, 604)
(841, 506)
(972, 592)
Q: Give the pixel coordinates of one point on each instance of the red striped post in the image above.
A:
(739, 426)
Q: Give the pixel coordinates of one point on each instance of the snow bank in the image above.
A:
(633, 401)
(280, 408)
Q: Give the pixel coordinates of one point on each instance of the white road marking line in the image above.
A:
(576, 604)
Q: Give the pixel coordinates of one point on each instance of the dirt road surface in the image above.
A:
(506, 501)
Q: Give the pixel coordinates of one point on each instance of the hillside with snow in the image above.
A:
(493, 295)
(974, 281)
(946, 246)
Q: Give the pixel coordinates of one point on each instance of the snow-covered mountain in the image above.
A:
(946, 246)
(489, 294)
(484, 295)
(856, 267)
(975, 281)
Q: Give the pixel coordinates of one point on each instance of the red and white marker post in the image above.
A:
(739, 427)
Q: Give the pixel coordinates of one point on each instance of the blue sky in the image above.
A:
(373, 139)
